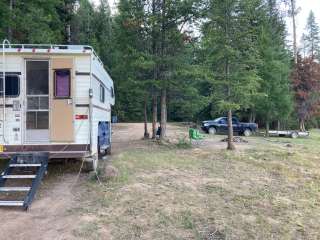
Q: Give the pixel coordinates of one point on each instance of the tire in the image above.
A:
(294, 135)
(212, 131)
(247, 132)
(100, 154)
(108, 150)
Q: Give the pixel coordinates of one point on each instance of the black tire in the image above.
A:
(100, 154)
(212, 130)
(108, 150)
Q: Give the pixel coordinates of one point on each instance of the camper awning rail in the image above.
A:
(50, 49)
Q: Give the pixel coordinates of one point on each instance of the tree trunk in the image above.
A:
(279, 125)
(11, 20)
(231, 145)
(302, 125)
(252, 116)
(293, 15)
(267, 128)
(146, 133)
(163, 122)
(155, 77)
(154, 115)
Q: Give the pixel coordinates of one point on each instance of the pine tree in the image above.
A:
(36, 22)
(312, 37)
(232, 61)
(4, 19)
(132, 67)
(274, 100)
(82, 24)
(102, 23)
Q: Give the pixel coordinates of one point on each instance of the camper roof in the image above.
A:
(48, 49)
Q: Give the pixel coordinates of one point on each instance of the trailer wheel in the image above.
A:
(294, 135)
(247, 133)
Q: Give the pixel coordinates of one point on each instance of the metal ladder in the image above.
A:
(18, 166)
(2, 93)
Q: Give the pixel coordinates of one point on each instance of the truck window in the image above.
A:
(12, 86)
(62, 82)
(223, 121)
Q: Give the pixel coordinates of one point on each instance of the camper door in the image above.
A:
(37, 101)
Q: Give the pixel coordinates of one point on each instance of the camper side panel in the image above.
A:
(82, 86)
(13, 111)
(103, 98)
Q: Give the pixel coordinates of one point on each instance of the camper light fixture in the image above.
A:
(81, 117)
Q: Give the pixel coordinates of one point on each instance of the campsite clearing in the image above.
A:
(267, 189)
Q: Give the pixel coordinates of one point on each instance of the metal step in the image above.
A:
(23, 162)
(25, 165)
(11, 203)
(18, 176)
(15, 189)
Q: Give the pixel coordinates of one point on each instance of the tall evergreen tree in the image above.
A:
(233, 62)
(36, 22)
(312, 37)
(274, 100)
(4, 19)
(133, 65)
(82, 24)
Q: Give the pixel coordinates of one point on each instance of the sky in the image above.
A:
(305, 7)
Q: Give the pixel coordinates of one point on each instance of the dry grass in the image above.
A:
(265, 191)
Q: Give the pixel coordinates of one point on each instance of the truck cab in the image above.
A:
(220, 125)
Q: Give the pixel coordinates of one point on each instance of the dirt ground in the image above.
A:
(49, 216)
(267, 189)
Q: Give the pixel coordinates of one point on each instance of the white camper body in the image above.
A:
(57, 99)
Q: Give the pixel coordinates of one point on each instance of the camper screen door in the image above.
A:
(62, 83)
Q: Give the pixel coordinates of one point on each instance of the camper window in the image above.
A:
(102, 93)
(112, 92)
(12, 86)
(62, 83)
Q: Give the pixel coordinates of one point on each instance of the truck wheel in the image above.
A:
(108, 150)
(100, 154)
(212, 131)
(294, 135)
(247, 133)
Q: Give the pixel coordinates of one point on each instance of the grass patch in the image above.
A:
(184, 143)
(88, 230)
(269, 191)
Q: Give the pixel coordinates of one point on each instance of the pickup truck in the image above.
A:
(220, 125)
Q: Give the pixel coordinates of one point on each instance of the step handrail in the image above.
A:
(4, 43)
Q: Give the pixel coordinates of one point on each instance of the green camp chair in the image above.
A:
(194, 134)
